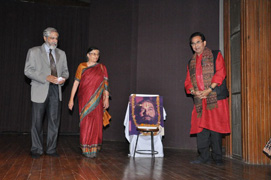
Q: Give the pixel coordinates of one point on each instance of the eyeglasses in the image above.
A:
(53, 38)
(196, 43)
(94, 54)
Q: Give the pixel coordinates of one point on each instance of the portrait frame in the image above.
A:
(135, 104)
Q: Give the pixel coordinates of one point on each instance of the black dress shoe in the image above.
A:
(219, 163)
(197, 162)
(53, 154)
(35, 155)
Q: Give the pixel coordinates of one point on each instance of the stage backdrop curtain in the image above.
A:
(144, 45)
(22, 25)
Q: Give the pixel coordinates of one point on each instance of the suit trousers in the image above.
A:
(206, 139)
(52, 108)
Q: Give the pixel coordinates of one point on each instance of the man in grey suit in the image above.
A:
(47, 68)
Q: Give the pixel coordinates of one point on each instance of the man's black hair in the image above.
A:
(197, 34)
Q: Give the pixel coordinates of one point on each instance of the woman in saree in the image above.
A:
(91, 80)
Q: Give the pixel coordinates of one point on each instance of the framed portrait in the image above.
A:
(145, 111)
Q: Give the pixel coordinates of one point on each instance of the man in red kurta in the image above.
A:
(210, 115)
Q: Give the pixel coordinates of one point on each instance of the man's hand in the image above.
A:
(197, 93)
(203, 94)
(55, 80)
(52, 79)
(61, 81)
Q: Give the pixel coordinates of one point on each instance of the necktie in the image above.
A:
(52, 64)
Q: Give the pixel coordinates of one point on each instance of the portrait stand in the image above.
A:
(145, 115)
(152, 151)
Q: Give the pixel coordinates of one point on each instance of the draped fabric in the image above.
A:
(267, 148)
(216, 119)
(207, 72)
(93, 81)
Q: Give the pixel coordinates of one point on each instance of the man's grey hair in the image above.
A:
(48, 31)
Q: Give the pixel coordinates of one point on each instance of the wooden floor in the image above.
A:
(113, 163)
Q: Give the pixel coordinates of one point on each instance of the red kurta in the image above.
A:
(216, 119)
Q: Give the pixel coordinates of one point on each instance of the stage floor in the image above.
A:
(113, 163)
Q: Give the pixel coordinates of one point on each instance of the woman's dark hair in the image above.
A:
(197, 34)
(91, 49)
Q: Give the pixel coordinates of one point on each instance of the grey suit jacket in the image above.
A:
(37, 68)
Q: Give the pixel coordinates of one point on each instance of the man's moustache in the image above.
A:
(145, 117)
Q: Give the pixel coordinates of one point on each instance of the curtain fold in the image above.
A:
(22, 25)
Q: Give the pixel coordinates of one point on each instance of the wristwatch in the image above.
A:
(211, 88)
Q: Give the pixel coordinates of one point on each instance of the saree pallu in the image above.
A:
(90, 97)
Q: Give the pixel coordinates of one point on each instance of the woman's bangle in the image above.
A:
(192, 91)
